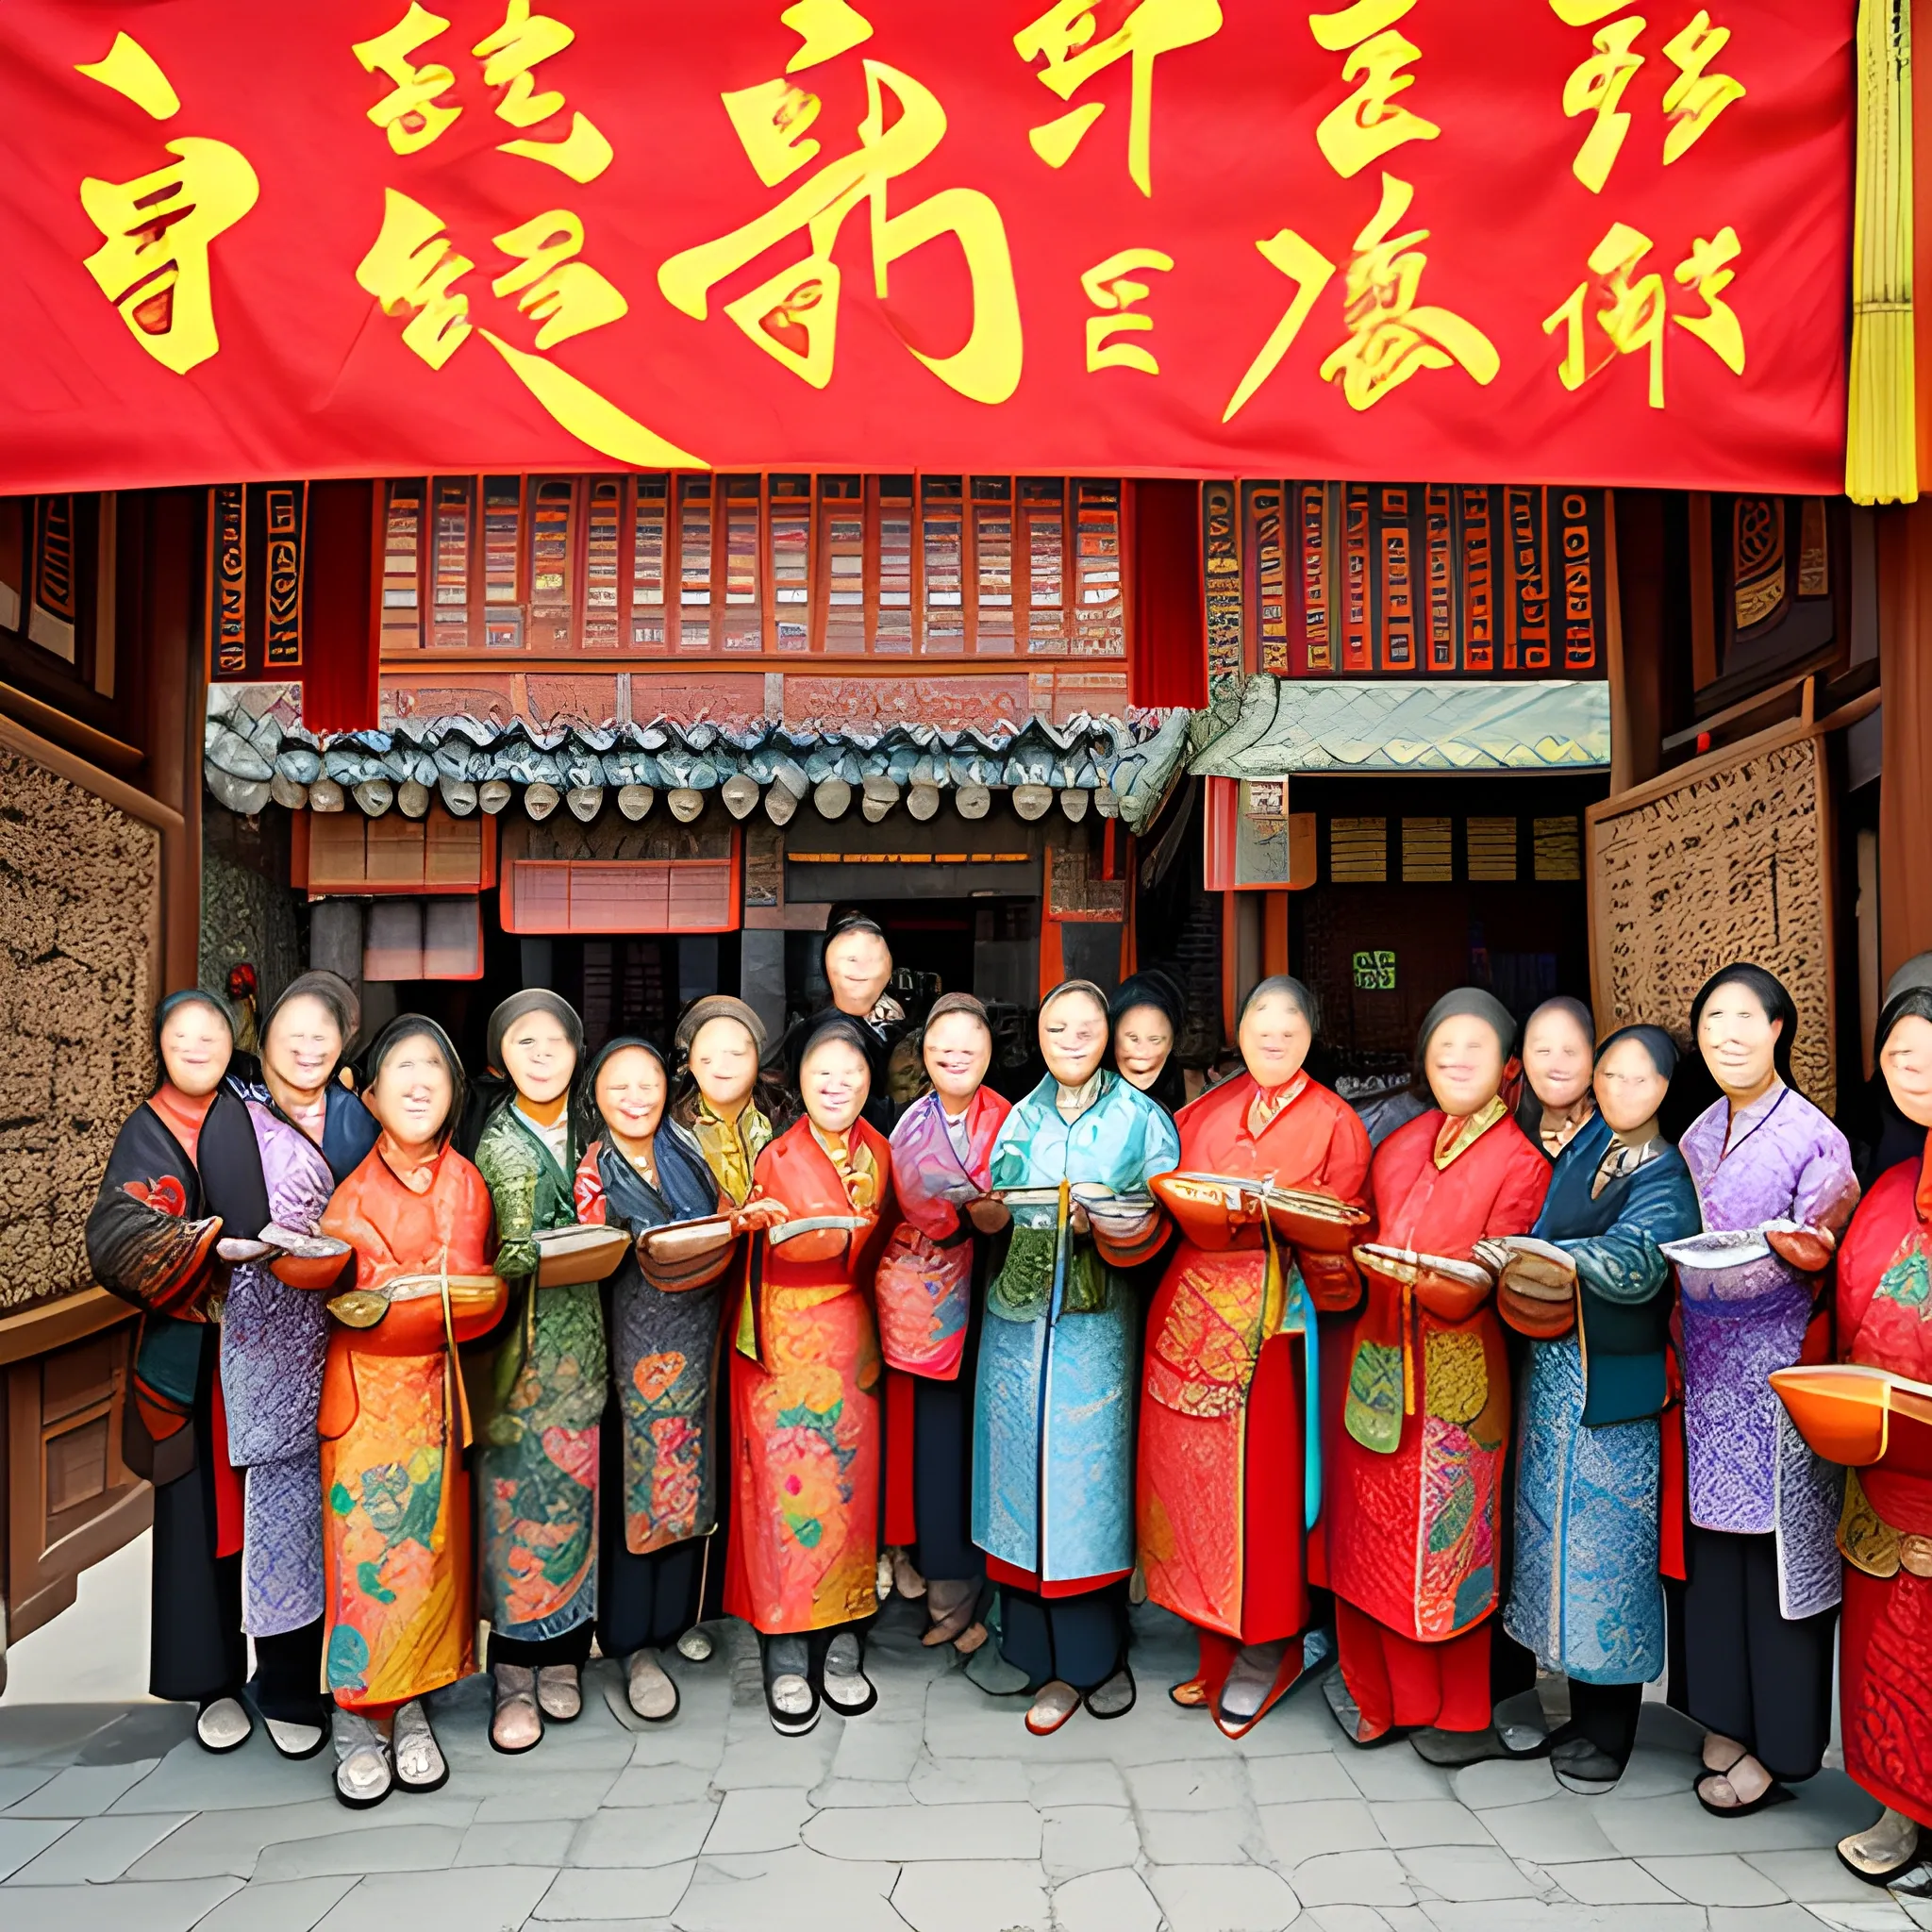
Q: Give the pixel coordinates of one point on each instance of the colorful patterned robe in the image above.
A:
(1885, 1645)
(401, 1605)
(1225, 1418)
(538, 1465)
(1749, 1470)
(1412, 1529)
(806, 1428)
(664, 1346)
(1052, 1441)
(1586, 1596)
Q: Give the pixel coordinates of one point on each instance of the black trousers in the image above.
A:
(1751, 1674)
(288, 1677)
(1606, 1715)
(1080, 1639)
(573, 1647)
(646, 1603)
(197, 1648)
(942, 1479)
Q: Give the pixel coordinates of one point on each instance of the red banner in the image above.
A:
(1500, 240)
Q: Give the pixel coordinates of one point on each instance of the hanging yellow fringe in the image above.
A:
(1881, 429)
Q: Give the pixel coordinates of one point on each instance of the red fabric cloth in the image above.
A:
(338, 645)
(1393, 1551)
(806, 1442)
(228, 1480)
(1396, 1680)
(998, 1572)
(1169, 663)
(1885, 1645)
(902, 1514)
(1220, 1490)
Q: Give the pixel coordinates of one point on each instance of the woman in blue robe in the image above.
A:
(1053, 1452)
(1592, 1291)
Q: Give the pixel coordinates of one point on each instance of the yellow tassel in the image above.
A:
(1881, 429)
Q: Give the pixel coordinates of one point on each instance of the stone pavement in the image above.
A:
(935, 1812)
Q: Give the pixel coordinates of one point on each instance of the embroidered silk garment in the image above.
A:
(1586, 1596)
(731, 1148)
(1885, 1656)
(539, 1463)
(665, 1347)
(1053, 1449)
(1412, 1535)
(401, 1608)
(1225, 1423)
(805, 1412)
(1749, 1470)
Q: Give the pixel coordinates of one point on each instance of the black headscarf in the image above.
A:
(1770, 994)
(189, 996)
(1659, 1044)
(833, 1024)
(1897, 1139)
(419, 1026)
(1161, 992)
(684, 1182)
(1470, 1003)
(533, 999)
(335, 992)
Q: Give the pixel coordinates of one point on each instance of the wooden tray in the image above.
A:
(572, 1256)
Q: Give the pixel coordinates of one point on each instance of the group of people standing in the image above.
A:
(726, 1330)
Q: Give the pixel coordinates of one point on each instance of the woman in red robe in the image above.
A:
(802, 1565)
(1230, 1444)
(1418, 1459)
(1885, 1642)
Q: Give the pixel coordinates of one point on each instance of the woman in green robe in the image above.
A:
(537, 1485)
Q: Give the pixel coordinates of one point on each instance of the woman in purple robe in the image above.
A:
(1762, 1591)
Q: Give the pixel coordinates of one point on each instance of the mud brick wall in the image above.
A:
(79, 882)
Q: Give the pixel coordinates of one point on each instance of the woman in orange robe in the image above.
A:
(400, 1582)
(1418, 1460)
(1230, 1471)
(802, 1566)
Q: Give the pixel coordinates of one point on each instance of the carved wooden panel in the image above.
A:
(80, 884)
(1726, 860)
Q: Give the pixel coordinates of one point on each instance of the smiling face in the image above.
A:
(1907, 1063)
(195, 1045)
(630, 1097)
(1464, 1064)
(411, 1092)
(1629, 1088)
(858, 965)
(1739, 1039)
(1274, 1040)
(1141, 1041)
(724, 1062)
(834, 1082)
(538, 1056)
(303, 1045)
(958, 1051)
(1556, 1058)
(1073, 1037)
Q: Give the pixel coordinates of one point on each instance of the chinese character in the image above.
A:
(794, 315)
(412, 271)
(1366, 126)
(1633, 311)
(410, 113)
(1062, 39)
(1691, 102)
(153, 263)
(1595, 86)
(827, 29)
(565, 295)
(511, 57)
(1109, 285)
(1390, 336)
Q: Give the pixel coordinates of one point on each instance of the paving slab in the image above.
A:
(1190, 1784)
(402, 1848)
(1824, 1808)
(82, 1790)
(1106, 1902)
(1558, 1830)
(541, 1842)
(905, 1832)
(759, 1821)
(1223, 1898)
(1364, 1877)
(97, 1849)
(297, 1906)
(192, 1779)
(1094, 1782)
(650, 1835)
(1613, 1882)
(983, 1780)
(1290, 1780)
(1718, 1878)
(1195, 1837)
(125, 1907)
(482, 1898)
(991, 1893)
(1461, 1872)
(1814, 1877)
(216, 1842)
(799, 1890)
(616, 1892)
(1087, 1837)
(24, 1840)
(1405, 1822)
(1318, 1825)
(1390, 1770)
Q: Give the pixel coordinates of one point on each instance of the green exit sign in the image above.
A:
(1374, 971)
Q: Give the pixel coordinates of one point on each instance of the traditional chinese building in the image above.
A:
(604, 489)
